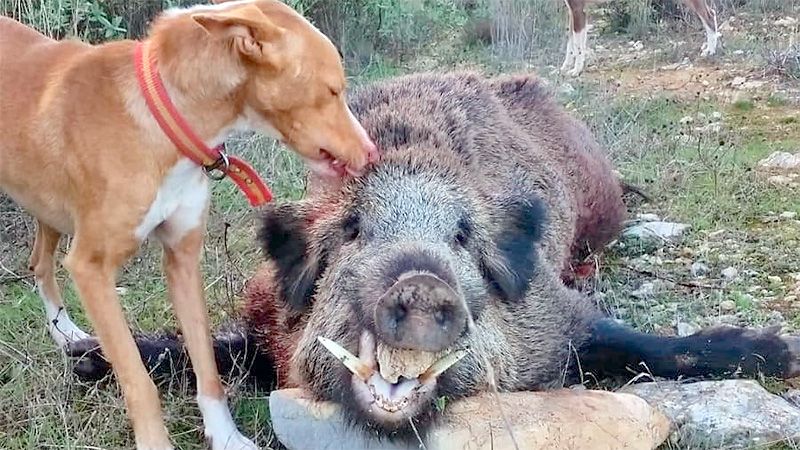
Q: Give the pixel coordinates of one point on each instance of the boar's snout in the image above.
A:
(420, 312)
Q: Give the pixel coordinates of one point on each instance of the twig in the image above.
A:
(14, 279)
(689, 284)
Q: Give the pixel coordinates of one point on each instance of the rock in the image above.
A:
(685, 329)
(792, 396)
(774, 279)
(687, 119)
(647, 217)
(699, 269)
(790, 298)
(755, 84)
(730, 414)
(656, 230)
(567, 88)
(787, 215)
(787, 21)
(738, 81)
(646, 290)
(729, 273)
(562, 419)
(727, 306)
(781, 160)
(783, 180)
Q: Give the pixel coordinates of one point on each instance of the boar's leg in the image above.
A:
(614, 349)
(165, 357)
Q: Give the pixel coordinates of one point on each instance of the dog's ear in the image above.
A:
(509, 266)
(252, 32)
(287, 241)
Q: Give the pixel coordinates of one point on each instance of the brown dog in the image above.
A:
(576, 45)
(82, 151)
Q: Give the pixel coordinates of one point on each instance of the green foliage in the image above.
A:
(744, 105)
(391, 30)
(87, 19)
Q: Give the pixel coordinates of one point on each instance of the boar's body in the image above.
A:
(488, 186)
(456, 240)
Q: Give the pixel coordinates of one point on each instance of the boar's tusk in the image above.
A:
(441, 365)
(352, 363)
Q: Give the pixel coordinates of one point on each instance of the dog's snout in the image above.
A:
(420, 312)
(373, 155)
(364, 142)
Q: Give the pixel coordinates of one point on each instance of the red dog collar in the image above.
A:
(215, 161)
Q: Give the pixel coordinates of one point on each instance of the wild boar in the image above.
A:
(445, 259)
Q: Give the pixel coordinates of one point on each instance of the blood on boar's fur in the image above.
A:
(457, 239)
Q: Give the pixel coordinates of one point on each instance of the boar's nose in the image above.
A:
(420, 312)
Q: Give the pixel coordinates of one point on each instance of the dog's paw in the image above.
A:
(90, 364)
(235, 441)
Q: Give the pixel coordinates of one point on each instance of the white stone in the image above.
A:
(647, 289)
(658, 230)
(647, 217)
(729, 273)
(787, 21)
(727, 306)
(781, 160)
(563, 419)
(730, 414)
(774, 279)
(685, 329)
(699, 269)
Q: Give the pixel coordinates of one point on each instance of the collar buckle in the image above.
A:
(219, 168)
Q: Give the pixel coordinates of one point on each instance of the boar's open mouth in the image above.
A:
(392, 385)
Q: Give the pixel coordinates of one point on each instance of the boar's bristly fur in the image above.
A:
(485, 193)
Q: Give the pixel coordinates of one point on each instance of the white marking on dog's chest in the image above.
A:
(181, 201)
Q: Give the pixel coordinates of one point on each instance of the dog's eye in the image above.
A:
(462, 233)
(351, 228)
(334, 92)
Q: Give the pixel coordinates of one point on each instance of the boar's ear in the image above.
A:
(285, 238)
(510, 268)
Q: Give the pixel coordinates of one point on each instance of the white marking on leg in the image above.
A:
(710, 47)
(220, 429)
(569, 58)
(150, 447)
(580, 52)
(60, 326)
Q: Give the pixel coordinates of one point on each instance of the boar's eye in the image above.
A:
(351, 228)
(462, 233)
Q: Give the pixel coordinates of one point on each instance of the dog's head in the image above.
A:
(288, 77)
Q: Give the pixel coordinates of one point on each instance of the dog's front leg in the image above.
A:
(93, 261)
(59, 324)
(182, 267)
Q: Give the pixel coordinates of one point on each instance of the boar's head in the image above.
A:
(397, 267)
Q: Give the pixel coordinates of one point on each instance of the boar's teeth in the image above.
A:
(441, 365)
(352, 363)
